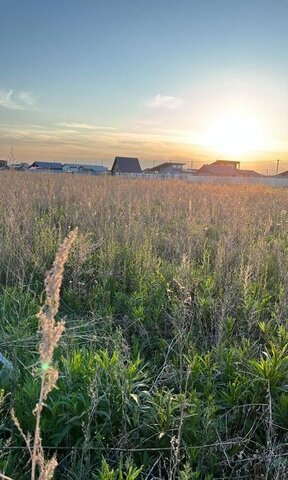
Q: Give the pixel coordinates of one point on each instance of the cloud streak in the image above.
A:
(83, 126)
(167, 102)
(66, 143)
(23, 100)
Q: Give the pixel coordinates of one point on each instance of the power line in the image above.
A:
(200, 162)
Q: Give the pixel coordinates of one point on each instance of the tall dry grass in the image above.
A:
(50, 331)
(239, 230)
(174, 356)
(37, 210)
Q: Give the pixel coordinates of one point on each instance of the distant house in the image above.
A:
(53, 167)
(167, 168)
(18, 166)
(227, 163)
(84, 169)
(225, 168)
(127, 165)
(3, 164)
(217, 170)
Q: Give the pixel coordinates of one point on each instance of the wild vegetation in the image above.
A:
(174, 360)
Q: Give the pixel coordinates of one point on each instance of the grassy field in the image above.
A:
(174, 362)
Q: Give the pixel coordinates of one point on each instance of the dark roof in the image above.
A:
(163, 165)
(47, 165)
(126, 165)
(217, 170)
(18, 166)
(3, 165)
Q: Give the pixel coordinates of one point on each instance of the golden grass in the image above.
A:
(51, 332)
(219, 251)
(172, 217)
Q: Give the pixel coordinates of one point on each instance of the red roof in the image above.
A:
(217, 170)
(225, 171)
(248, 173)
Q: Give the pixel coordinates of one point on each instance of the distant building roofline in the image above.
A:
(47, 165)
(227, 161)
(126, 165)
(165, 164)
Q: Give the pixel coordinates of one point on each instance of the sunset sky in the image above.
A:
(162, 80)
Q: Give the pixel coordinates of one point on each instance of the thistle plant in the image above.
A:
(50, 332)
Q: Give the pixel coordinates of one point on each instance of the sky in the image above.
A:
(181, 80)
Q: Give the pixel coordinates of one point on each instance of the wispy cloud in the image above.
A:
(17, 101)
(84, 126)
(164, 101)
(62, 142)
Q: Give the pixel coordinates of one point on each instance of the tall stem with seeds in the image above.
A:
(51, 332)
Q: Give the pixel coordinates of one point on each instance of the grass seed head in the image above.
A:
(50, 329)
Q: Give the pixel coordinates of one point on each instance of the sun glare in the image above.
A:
(235, 134)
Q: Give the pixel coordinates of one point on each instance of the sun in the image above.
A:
(235, 134)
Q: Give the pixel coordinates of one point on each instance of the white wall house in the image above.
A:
(87, 169)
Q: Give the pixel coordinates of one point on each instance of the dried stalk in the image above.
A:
(51, 332)
(5, 477)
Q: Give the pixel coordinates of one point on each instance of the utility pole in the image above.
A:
(191, 164)
(277, 166)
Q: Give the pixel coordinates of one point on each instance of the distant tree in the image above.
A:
(12, 157)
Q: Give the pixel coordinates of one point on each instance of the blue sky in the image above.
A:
(88, 80)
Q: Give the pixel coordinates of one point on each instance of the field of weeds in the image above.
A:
(174, 361)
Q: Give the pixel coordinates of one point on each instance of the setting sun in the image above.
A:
(235, 134)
